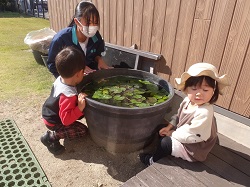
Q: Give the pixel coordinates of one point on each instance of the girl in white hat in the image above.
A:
(192, 132)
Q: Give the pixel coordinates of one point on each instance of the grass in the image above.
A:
(20, 74)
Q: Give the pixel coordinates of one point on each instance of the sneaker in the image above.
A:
(53, 146)
(45, 139)
(56, 148)
(145, 157)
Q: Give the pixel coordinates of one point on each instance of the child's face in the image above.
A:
(200, 94)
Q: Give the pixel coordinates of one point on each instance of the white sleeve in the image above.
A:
(199, 129)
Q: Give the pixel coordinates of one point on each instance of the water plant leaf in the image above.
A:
(160, 101)
(137, 96)
(158, 96)
(139, 91)
(165, 97)
(116, 89)
(142, 104)
(118, 97)
(106, 97)
(128, 93)
(100, 95)
(151, 100)
(152, 88)
(105, 92)
(134, 101)
(145, 82)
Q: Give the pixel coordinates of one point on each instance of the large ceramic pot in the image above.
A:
(120, 129)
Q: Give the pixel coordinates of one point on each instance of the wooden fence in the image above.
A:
(183, 32)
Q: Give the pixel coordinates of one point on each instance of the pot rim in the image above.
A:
(124, 71)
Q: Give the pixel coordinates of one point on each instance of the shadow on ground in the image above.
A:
(120, 166)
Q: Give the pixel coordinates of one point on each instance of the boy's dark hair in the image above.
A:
(69, 61)
(85, 10)
(194, 81)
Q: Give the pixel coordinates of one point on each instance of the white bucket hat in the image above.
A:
(202, 69)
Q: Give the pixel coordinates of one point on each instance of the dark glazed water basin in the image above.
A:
(120, 129)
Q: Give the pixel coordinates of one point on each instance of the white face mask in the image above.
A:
(89, 31)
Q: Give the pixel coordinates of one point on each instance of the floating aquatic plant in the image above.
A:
(126, 92)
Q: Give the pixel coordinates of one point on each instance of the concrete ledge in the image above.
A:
(233, 129)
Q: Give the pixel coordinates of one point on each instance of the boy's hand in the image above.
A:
(81, 101)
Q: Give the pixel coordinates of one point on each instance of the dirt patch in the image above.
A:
(83, 164)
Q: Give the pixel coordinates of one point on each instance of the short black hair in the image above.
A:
(69, 61)
(194, 81)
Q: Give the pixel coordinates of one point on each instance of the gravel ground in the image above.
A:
(83, 164)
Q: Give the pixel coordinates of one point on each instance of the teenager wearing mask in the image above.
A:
(83, 33)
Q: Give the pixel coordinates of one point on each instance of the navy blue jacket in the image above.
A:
(67, 37)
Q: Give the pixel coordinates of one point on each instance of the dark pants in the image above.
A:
(164, 148)
(75, 130)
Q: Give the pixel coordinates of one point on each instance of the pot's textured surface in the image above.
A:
(120, 129)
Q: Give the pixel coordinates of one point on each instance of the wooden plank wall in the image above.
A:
(183, 32)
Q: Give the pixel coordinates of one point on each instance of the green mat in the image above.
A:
(18, 165)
